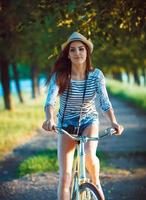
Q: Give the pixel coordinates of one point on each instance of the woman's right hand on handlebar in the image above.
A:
(49, 125)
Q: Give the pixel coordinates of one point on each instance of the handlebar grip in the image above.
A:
(111, 131)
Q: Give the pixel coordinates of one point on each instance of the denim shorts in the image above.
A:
(85, 122)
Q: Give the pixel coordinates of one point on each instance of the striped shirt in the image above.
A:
(95, 92)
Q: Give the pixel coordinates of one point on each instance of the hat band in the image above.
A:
(76, 39)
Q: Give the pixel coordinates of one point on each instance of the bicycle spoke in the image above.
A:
(89, 192)
(88, 195)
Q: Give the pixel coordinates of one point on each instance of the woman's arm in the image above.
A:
(49, 123)
(53, 89)
(105, 103)
(49, 112)
(111, 116)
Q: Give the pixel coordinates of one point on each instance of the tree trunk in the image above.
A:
(136, 76)
(5, 80)
(17, 82)
(34, 82)
(128, 75)
(144, 75)
(117, 76)
(38, 87)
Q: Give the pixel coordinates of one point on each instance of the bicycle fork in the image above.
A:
(82, 169)
(81, 163)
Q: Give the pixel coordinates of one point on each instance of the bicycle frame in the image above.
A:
(80, 171)
(81, 160)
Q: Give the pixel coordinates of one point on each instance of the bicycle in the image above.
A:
(81, 187)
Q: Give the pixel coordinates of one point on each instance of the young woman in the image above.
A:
(78, 85)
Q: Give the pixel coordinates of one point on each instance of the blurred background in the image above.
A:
(31, 34)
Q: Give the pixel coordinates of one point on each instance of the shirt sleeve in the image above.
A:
(102, 94)
(52, 92)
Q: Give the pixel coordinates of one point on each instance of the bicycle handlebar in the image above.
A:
(108, 131)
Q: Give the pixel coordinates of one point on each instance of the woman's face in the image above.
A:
(77, 52)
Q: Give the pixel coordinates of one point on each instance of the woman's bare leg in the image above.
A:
(66, 148)
(92, 161)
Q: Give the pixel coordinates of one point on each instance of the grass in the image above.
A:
(46, 161)
(132, 93)
(18, 125)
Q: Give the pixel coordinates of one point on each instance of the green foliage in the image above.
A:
(44, 161)
(36, 30)
(23, 71)
(32, 35)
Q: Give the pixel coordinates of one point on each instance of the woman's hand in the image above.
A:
(119, 128)
(49, 125)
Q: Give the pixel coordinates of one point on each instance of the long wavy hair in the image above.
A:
(62, 68)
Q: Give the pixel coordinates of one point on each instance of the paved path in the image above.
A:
(127, 152)
(134, 137)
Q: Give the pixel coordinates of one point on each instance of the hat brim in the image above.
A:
(87, 42)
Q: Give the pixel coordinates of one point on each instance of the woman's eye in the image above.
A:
(81, 49)
(72, 50)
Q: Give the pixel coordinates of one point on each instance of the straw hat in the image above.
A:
(78, 37)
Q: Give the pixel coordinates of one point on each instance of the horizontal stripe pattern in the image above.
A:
(95, 92)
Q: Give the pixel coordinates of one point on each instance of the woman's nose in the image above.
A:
(77, 51)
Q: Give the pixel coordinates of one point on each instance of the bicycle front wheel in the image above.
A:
(87, 191)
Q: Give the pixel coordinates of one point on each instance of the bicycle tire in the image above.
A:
(90, 192)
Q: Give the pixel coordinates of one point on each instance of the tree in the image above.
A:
(32, 34)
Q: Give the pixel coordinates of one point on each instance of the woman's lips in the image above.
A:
(77, 57)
